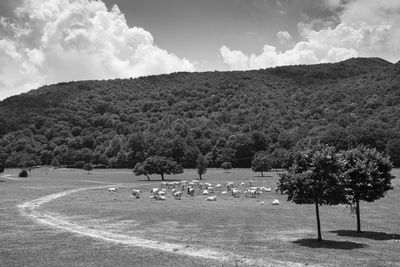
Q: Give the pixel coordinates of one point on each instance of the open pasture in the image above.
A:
(240, 230)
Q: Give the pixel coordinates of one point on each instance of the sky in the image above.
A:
(50, 41)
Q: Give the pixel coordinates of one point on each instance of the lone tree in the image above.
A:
(161, 165)
(226, 166)
(139, 170)
(261, 163)
(366, 176)
(313, 178)
(88, 167)
(202, 164)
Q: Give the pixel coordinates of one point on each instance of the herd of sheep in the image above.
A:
(176, 189)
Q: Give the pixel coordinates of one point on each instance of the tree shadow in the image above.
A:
(367, 234)
(2, 181)
(265, 176)
(331, 244)
(159, 181)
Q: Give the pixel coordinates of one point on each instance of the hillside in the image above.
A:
(227, 115)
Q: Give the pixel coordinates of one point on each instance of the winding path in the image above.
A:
(30, 209)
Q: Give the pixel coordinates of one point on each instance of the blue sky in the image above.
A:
(49, 41)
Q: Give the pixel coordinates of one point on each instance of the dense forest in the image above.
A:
(227, 116)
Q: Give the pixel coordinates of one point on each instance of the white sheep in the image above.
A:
(224, 192)
(178, 195)
(113, 189)
(154, 191)
(275, 202)
(205, 192)
(235, 192)
(212, 198)
(136, 193)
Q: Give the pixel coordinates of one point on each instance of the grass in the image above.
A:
(284, 233)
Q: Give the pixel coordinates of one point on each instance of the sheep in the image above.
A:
(262, 202)
(190, 191)
(178, 195)
(211, 189)
(113, 189)
(212, 198)
(205, 192)
(173, 191)
(224, 192)
(154, 191)
(275, 202)
(242, 184)
(252, 192)
(235, 192)
(136, 193)
(163, 184)
(161, 193)
(217, 186)
(207, 185)
(160, 198)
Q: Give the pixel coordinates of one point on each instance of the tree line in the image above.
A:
(225, 116)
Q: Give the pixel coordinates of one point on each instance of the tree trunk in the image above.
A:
(162, 176)
(262, 174)
(148, 177)
(319, 239)
(199, 176)
(358, 216)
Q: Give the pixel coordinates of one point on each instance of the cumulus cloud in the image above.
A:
(51, 41)
(284, 37)
(365, 29)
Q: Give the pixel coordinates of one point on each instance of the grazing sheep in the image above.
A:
(275, 202)
(205, 192)
(178, 195)
(211, 189)
(190, 191)
(161, 193)
(242, 184)
(212, 198)
(235, 192)
(154, 191)
(160, 198)
(112, 189)
(173, 191)
(217, 186)
(262, 202)
(207, 185)
(163, 184)
(136, 193)
(224, 192)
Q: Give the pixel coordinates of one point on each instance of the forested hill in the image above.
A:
(227, 115)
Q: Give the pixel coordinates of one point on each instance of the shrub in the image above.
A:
(23, 173)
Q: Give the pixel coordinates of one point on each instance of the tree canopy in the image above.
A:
(261, 163)
(313, 177)
(366, 177)
(161, 166)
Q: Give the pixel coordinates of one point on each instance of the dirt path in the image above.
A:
(30, 209)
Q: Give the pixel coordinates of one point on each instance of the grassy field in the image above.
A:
(242, 227)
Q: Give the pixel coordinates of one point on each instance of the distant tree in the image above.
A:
(1, 168)
(161, 166)
(226, 166)
(23, 173)
(202, 164)
(139, 170)
(366, 177)
(261, 163)
(55, 163)
(103, 160)
(88, 167)
(313, 178)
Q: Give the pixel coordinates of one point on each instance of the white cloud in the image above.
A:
(365, 29)
(60, 40)
(284, 37)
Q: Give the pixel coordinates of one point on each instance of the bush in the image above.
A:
(23, 173)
